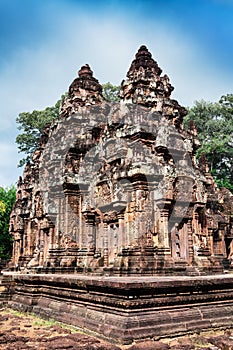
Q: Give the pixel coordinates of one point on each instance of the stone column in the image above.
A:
(196, 222)
(26, 238)
(51, 237)
(67, 207)
(164, 245)
(58, 223)
(105, 244)
(210, 240)
(16, 248)
(122, 238)
(190, 241)
(41, 240)
(80, 222)
(90, 230)
(221, 233)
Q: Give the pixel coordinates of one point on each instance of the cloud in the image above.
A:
(9, 172)
(34, 77)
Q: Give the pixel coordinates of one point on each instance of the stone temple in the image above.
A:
(116, 227)
(115, 188)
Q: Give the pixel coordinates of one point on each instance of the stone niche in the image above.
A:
(115, 189)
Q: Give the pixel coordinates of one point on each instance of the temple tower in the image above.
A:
(114, 188)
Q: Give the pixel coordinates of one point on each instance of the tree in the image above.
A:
(214, 123)
(7, 199)
(32, 123)
(110, 92)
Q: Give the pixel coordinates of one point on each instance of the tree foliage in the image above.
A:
(31, 124)
(7, 199)
(214, 123)
(110, 92)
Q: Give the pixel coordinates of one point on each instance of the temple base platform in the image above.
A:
(124, 309)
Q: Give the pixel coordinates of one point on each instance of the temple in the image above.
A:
(117, 228)
(115, 188)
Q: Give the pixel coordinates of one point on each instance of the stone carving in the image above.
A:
(84, 91)
(115, 188)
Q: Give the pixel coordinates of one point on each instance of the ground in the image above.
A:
(20, 331)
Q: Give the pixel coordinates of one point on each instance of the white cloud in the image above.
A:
(9, 172)
(36, 78)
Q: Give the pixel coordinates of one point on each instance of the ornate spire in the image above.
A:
(144, 85)
(84, 91)
(144, 63)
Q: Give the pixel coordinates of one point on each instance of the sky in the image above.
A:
(43, 43)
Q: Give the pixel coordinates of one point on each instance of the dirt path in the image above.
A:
(26, 332)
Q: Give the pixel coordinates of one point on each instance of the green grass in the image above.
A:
(13, 312)
(40, 322)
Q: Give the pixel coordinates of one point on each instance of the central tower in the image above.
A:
(114, 188)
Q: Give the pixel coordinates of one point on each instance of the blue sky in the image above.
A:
(43, 43)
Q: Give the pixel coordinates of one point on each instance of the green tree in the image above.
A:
(110, 92)
(31, 124)
(7, 200)
(214, 123)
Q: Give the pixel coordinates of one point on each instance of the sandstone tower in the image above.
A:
(114, 188)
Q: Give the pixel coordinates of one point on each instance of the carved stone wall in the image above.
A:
(114, 188)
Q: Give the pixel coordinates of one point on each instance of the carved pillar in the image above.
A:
(190, 241)
(105, 244)
(211, 240)
(122, 238)
(30, 241)
(80, 222)
(221, 234)
(209, 236)
(42, 243)
(90, 230)
(196, 222)
(164, 245)
(128, 230)
(58, 223)
(26, 238)
(46, 239)
(177, 237)
(17, 245)
(51, 237)
(67, 207)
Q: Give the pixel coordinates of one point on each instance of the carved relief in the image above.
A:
(120, 193)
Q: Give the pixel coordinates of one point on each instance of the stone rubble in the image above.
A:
(27, 332)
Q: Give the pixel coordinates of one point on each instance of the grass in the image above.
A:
(13, 312)
(40, 322)
(201, 343)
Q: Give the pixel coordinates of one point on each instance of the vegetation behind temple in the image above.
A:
(7, 200)
(214, 123)
(31, 124)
